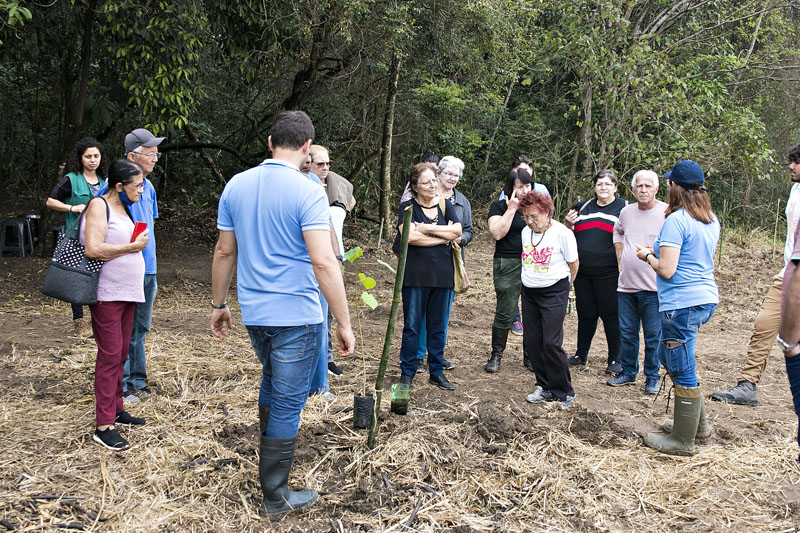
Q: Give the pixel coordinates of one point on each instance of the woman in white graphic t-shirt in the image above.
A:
(549, 264)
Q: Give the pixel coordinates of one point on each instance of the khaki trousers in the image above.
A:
(764, 332)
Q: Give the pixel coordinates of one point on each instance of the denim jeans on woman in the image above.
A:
(423, 334)
(681, 326)
(288, 356)
(428, 305)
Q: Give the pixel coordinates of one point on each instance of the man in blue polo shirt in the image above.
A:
(274, 231)
(141, 146)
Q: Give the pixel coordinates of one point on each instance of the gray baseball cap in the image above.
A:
(141, 137)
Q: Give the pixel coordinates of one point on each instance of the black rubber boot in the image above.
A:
(273, 472)
(499, 340)
(263, 419)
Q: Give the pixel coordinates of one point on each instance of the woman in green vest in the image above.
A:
(73, 192)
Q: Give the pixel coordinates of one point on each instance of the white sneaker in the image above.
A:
(568, 402)
(329, 396)
(539, 395)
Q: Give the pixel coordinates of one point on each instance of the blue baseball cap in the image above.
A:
(686, 173)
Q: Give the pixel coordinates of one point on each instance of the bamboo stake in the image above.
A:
(387, 342)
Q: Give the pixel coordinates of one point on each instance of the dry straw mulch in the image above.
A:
(458, 462)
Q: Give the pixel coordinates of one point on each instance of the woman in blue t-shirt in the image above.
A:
(683, 258)
(428, 279)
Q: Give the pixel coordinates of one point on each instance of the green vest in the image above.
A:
(81, 194)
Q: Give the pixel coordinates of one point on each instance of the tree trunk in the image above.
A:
(497, 127)
(206, 158)
(75, 118)
(586, 129)
(386, 142)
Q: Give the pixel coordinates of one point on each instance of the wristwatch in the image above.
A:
(786, 346)
(223, 305)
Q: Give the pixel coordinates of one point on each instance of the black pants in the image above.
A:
(77, 311)
(543, 312)
(597, 298)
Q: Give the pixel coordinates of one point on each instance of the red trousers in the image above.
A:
(112, 323)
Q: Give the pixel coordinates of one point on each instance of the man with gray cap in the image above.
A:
(141, 146)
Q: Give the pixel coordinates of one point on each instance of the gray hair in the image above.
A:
(450, 161)
(645, 174)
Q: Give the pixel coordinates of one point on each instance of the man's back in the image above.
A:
(268, 208)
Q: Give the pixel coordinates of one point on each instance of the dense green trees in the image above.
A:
(576, 85)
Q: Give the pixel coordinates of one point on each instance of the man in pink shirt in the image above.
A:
(638, 224)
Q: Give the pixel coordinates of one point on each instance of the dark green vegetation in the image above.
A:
(577, 86)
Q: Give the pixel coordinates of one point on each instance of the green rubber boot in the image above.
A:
(703, 427)
(688, 403)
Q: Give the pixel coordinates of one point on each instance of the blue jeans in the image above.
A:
(681, 326)
(423, 335)
(426, 305)
(134, 375)
(288, 356)
(319, 379)
(635, 309)
(793, 373)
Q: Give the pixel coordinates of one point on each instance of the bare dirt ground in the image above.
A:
(476, 459)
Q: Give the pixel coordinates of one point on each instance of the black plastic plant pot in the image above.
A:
(362, 411)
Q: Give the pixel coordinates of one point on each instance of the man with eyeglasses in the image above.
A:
(638, 224)
(141, 146)
(341, 201)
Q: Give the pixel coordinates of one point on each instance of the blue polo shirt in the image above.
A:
(268, 207)
(145, 210)
(693, 281)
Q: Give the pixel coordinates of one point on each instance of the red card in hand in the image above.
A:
(137, 229)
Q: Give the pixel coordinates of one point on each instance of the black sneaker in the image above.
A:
(110, 439)
(613, 368)
(441, 382)
(125, 418)
(144, 392)
(421, 366)
(333, 369)
(447, 365)
(406, 380)
(577, 360)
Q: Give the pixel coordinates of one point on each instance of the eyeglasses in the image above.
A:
(451, 174)
(426, 183)
(321, 163)
(154, 155)
(533, 218)
(603, 185)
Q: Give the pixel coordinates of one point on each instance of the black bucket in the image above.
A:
(362, 411)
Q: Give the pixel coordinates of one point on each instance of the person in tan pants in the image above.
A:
(768, 320)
